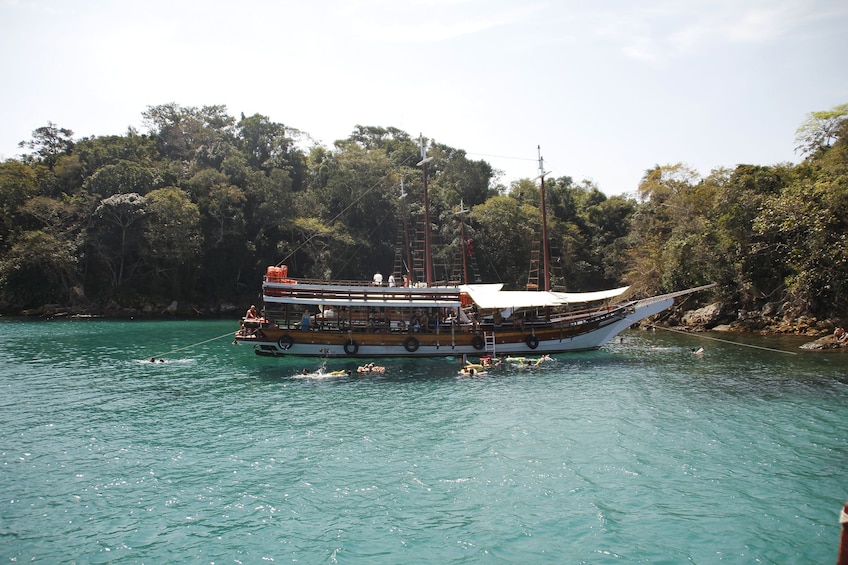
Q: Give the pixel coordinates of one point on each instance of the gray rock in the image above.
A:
(706, 316)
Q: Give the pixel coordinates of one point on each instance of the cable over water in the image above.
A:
(158, 355)
(727, 341)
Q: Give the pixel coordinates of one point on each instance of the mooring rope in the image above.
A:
(228, 334)
(726, 341)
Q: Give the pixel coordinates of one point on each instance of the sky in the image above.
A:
(605, 89)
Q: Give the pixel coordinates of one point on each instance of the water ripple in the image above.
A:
(641, 452)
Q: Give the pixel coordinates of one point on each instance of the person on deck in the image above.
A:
(249, 315)
(378, 279)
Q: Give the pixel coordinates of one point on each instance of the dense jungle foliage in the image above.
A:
(194, 210)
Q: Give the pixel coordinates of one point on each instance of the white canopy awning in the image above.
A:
(581, 297)
(491, 296)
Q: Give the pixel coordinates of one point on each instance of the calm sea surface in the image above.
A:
(639, 453)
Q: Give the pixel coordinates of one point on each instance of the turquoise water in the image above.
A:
(639, 453)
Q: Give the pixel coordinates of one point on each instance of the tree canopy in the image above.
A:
(197, 207)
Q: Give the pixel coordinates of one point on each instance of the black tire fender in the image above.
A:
(532, 341)
(285, 342)
(351, 347)
(478, 342)
(411, 344)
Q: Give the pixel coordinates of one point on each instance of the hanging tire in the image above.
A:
(532, 341)
(411, 344)
(351, 347)
(285, 342)
(478, 342)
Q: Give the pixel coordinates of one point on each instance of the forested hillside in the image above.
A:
(194, 210)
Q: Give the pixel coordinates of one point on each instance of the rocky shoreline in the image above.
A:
(772, 319)
(173, 310)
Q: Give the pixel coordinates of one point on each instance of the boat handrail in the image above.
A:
(361, 283)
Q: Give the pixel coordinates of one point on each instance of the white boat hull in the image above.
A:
(541, 341)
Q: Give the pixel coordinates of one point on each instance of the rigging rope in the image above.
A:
(534, 159)
(346, 208)
(355, 256)
(192, 345)
(726, 341)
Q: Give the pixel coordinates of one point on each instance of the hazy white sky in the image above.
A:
(608, 88)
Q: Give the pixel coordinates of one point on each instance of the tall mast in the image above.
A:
(462, 212)
(546, 281)
(428, 262)
(407, 248)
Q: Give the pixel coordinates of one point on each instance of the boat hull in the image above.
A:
(268, 340)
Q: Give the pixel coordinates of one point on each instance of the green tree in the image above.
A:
(268, 211)
(96, 152)
(668, 250)
(18, 183)
(395, 144)
(360, 191)
(325, 244)
(226, 247)
(38, 269)
(269, 146)
(118, 233)
(742, 269)
(505, 237)
(821, 129)
(804, 230)
(223, 208)
(172, 235)
(122, 177)
(611, 220)
(455, 177)
(199, 137)
(49, 143)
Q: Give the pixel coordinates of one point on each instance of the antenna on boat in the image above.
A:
(546, 283)
(428, 269)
